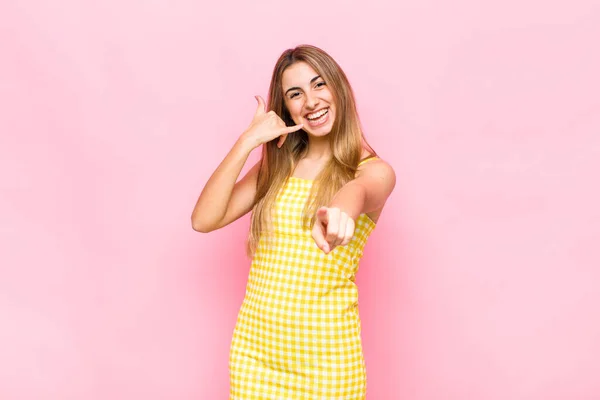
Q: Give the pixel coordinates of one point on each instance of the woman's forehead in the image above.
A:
(298, 74)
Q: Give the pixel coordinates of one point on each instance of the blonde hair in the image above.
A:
(346, 139)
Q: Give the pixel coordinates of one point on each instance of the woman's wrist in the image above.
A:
(246, 143)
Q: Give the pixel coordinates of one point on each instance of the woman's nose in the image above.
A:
(311, 101)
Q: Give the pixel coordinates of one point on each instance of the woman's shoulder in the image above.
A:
(366, 157)
(369, 157)
(375, 164)
(379, 177)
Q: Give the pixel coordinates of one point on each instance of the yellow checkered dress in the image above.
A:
(297, 334)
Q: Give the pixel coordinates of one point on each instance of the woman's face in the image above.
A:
(308, 99)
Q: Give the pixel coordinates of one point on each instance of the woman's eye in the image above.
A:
(320, 84)
(294, 95)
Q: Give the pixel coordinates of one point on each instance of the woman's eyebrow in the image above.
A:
(297, 88)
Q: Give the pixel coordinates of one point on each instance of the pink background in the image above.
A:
(481, 281)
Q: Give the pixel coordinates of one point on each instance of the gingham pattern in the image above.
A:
(297, 334)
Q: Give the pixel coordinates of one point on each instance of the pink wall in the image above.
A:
(481, 281)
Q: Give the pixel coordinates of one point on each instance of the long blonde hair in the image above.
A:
(276, 165)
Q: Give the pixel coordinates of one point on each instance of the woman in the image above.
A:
(316, 195)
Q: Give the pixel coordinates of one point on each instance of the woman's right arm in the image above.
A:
(222, 200)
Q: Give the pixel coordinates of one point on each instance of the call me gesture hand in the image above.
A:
(332, 228)
(266, 126)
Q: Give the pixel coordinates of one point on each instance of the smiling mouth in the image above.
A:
(318, 118)
(316, 115)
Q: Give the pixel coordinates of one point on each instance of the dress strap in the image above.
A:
(367, 159)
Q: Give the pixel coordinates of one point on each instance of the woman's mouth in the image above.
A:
(318, 118)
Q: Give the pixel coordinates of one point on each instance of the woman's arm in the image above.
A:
(368, 192)
(222, 200)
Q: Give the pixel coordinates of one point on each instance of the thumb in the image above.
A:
(261, 108)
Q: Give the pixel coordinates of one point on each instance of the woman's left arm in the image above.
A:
(368, 192)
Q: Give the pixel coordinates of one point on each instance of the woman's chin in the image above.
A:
(318, 134)
(319, 131)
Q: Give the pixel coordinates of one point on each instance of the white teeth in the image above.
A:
(317, 114)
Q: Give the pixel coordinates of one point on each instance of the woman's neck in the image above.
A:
(318, 149)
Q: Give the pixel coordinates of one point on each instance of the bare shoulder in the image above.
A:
(378, 168)
(379, 179)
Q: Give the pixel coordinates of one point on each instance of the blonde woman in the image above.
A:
(315, 196)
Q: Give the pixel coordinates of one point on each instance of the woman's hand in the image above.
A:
(332, 228)
(266, 126)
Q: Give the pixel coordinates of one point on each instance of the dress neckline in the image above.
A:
(302, 179)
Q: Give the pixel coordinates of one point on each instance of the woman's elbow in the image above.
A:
(200, 226)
